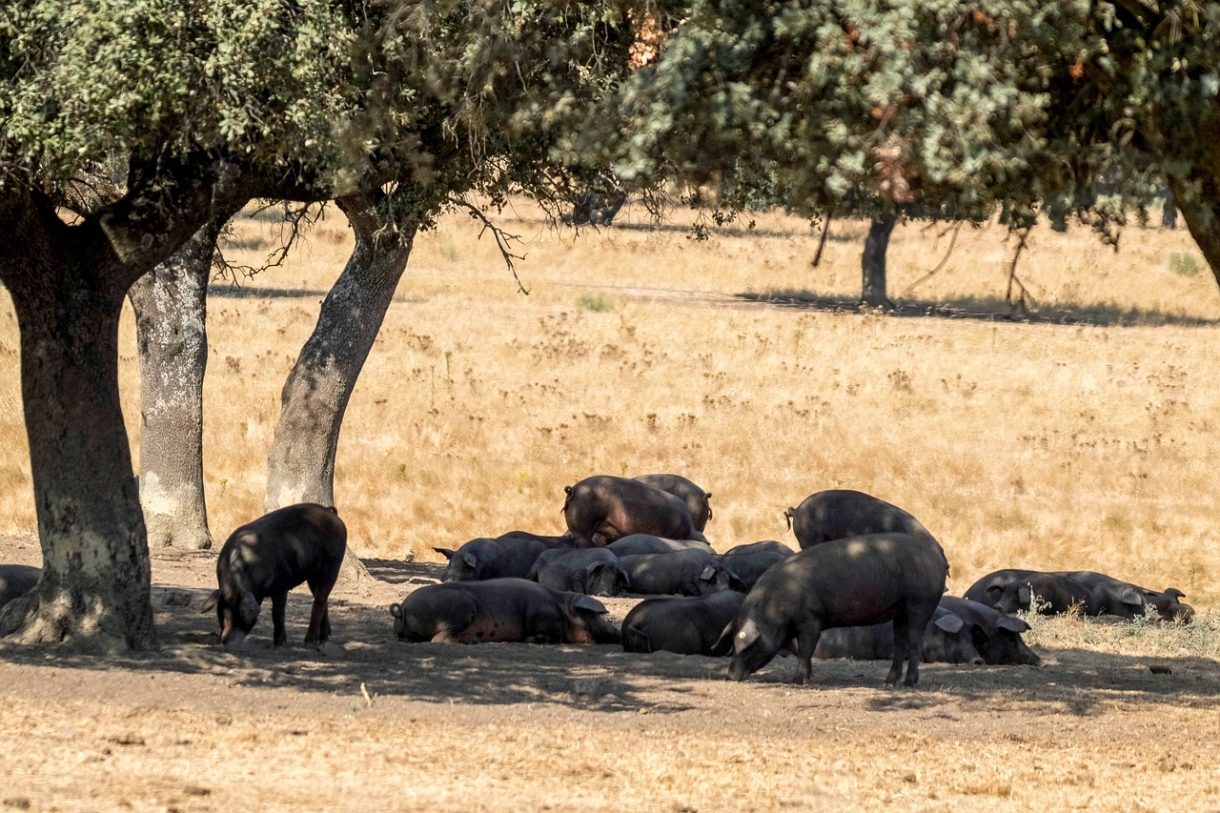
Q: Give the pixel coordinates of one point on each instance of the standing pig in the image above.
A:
(682, 573)
(269, 557)
(593, 571)
(636, 544)
(605, 508)
(845, 583)
(501, 610)
(838, 514)
(688, 626)
(697, 500)
(16, 581)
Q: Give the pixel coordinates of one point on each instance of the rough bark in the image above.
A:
(301, 465)
(95, 573)
(67, 284)
(170, 304)
(1201, 211)
(872, 263)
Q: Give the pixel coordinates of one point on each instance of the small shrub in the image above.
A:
(1184, 265)
(598, 303)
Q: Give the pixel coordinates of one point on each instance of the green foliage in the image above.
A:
(445, 97)
(1075, 107)
(597, 303)
(1184, 265)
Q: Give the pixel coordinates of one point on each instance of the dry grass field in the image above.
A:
(1080, 436)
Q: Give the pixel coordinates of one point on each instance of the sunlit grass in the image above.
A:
(1046, 445)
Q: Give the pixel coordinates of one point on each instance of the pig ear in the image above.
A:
(211, 603)
(469, 559)
(1007, 622)
(950, 623)
(1023, 595)
(589, 604)
(249, 605)
(396, 611)
(1132, 598)
(1173, 592)
(626, 576)
(708, 574)
(736, 582)
(788, 517)
(448, 554)
(746, 635)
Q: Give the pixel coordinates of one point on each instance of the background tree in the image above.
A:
(957, 106)
(207, 106)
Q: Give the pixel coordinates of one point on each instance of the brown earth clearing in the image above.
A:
(1081, 436)
(369, 723)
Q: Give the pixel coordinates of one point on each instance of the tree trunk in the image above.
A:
(1201, 211)
(1169, 210)
(170, 304)
(873, 261)
(301, 466)
(95, 576)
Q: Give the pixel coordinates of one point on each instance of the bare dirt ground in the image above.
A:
(369, 723)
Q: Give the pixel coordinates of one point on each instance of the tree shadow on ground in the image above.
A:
(365, 652)
(986, 309)
(1075, 681)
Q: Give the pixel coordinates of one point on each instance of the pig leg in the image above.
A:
(807, 635)
(278, 602)
(902, 643)
(449, 635)
(319, 615)
(916, 618)
(317, 633)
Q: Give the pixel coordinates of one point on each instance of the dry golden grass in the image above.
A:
(1045, 445)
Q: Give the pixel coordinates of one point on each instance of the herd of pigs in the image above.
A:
(867, 583)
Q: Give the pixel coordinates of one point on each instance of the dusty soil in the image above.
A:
(368, 723)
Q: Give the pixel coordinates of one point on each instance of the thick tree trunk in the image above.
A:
(301, 466)
(170, 304)
(873, 262)
(95, 577)
(1201, 211)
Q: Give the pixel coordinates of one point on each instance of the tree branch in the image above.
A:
(952, 242)
(1015, 281)
(503, 239)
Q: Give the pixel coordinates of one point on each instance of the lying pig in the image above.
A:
(697, 500)
(1092, 593)
(961, 631)
(749, 562)
(605, 508)
(637, 544)
(501, 610)
(844, 583)
(688, 626)
(593, 571)
(269, 557)
(16, 581)
(510, 555)
(682, 573)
